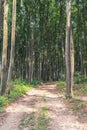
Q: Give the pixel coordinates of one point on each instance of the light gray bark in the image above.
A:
(67, 49)
(72, 61)
(4, 51)
(12, 53)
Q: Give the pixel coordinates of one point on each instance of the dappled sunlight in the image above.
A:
(45, 96)
(20, 108)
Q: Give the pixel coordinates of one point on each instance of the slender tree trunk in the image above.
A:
(4, 51)
(0, 17)
(81, 59)
(72, 61)
(11, 64)
(1, 28)
(67, 49)
(32, 52)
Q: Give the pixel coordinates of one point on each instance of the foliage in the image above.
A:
(3, 101)
(20, 88)
(61, 83)
(80, 79)
(35, 83)
(20, 82)
(75, 104)
(43, 119)
(80, 89)
(81, 105)
(17, 91)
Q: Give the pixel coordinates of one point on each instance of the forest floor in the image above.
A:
(43, 108)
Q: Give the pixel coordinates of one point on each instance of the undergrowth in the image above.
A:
(80, 86)
(19, 88)
(79, 90)
(75, 104)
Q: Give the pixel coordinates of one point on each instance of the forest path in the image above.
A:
(47, 96)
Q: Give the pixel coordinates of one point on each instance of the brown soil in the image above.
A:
(46, 95)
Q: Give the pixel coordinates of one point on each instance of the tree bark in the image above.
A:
(67, 49)
(12, 53)
(1, 17)
(72, 61)
(4, 51)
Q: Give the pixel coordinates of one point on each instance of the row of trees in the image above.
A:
(42, 29)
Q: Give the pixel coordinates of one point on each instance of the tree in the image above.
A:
(0, 17)
(67, 49)
(72, 60)
(4, 51)
(12, 53)
(1, 25)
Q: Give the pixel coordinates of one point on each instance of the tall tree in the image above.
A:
(0, 16)
(72, 60)
(1, 23)
(11, 64)
(67, 49)
(4, 51)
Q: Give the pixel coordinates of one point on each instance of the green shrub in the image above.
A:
(81, 105)
(84, 90)
(35, 83)
(3, 101)
(61, 83)
(20, 82)
(18, 90)
(80, 79)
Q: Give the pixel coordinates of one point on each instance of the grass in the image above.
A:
(80, 86)
(75, 104)
(3, 102)
(19, 88)
(61, 86)
(28, 121)
(36, 122)
(35, 83)
(81, 105)
(43, 119)
(61, 83)
(80, 79)
(80, 89)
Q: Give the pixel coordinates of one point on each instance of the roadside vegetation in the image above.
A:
(79, 100)
(19, 88)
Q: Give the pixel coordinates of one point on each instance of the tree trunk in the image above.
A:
(72, 61)
(4, 51)
(0, 17)
(11, 64)
(67, 49)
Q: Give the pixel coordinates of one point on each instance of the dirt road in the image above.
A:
(47, 96)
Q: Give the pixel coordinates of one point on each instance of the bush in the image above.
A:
(20, 88)
(20, 82)
(3, 101)
(80, 79)
(35, 83)
(61, 83)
